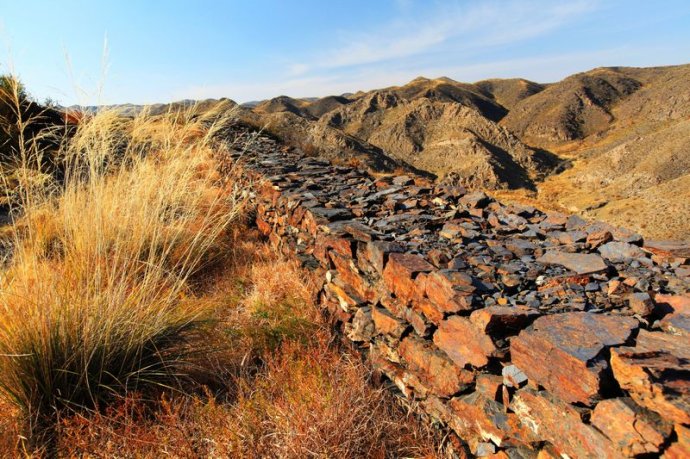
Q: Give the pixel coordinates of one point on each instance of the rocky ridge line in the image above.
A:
(528, 334)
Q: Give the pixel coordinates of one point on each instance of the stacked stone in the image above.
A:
(529, 334)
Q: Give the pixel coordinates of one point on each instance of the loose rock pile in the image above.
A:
(528, 334)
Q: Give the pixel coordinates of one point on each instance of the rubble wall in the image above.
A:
(528, 334)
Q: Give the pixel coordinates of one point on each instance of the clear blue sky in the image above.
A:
(160, 51)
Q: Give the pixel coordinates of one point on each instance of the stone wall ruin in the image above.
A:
(528, 334)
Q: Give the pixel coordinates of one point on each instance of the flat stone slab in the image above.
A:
(562, 352)
(581, 263)
(464, 342)
(668, 248)
(434, 368)
(400, 272)
(561, 425)
(450, 290)
(620, 251)
(475, 415)
(387, 324)
(656, 373)
(630, 427)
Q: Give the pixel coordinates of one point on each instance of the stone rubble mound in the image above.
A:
(528, 334)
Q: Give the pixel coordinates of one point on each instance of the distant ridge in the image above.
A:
(134, 109)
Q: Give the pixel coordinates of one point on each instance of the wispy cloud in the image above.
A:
(455, 27)
(545, 68)
(464, 42)
(432, 42)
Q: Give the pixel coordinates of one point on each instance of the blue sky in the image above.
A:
(158, 51)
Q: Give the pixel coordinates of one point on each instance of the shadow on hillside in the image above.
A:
(549, 163)
(507, 169)
(516, 176)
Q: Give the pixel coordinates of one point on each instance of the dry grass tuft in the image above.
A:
(95, 300)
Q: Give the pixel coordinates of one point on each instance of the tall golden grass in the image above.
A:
(95, 296)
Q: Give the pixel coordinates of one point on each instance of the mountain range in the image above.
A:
(611, 143)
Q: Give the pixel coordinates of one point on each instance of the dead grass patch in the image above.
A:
(284, 389)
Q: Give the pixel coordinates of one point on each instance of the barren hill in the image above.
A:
(628, 139)
(573, 109)
(508, 92)
(602, 99)
(321, 106)
(282, 104)
(444, 138)
(610, 143)
(439, 126)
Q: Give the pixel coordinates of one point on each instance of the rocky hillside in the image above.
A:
(322, 140)
(626, 132)
(445, 138)
(575, 108)
(609, 143)
(508, 92)
(440, 126)
(588, 105)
